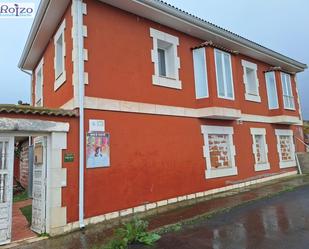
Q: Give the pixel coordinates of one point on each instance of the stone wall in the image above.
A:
(24, 164)
(219, 150)
(285, 145)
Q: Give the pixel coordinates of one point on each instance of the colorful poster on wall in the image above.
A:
(98, 150)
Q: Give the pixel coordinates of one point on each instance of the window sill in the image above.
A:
(273, 108)
(287, 164)
(289, 109)
(202, 97)
(253, 98)
(166, 82)
(261, 166)
(227, 98)
(221, 172)
(60, 81)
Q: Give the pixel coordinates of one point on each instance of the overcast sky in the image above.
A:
(282, 25)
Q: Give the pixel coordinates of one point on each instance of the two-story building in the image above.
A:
(171, 107)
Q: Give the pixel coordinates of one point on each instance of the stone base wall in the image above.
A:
(24, 165)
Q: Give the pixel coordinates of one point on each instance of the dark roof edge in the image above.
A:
(178, 13)
(33, 31)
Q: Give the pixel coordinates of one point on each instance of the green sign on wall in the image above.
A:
(68, 157)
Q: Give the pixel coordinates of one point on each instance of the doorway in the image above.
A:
(23, 163)
(22, 189)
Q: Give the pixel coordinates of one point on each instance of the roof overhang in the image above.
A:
(49, 15)
(44, 25)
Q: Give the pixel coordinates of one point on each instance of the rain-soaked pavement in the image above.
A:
(280, 222)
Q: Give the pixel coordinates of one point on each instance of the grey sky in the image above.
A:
(282, 25)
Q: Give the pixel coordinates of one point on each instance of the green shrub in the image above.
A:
(132, 232)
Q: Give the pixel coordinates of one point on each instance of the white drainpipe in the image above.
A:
(80, 45)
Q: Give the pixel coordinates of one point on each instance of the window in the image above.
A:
(165, 59)
(288, 98)
(272, 94)
(224, 75)
(59, 60)
(200, 73)
(251, 81)
(260, 149)
(286, 148)
(59, 56)
(39, 84)
(162, 62)
(219, 151)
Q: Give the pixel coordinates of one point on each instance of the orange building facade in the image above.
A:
(188, 111)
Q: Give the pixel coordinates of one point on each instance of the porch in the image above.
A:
(47, 134)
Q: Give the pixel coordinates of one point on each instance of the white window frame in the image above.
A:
(268, 91)
(168, 81)
(37, 70)
(224, 77)
(198, 78)
(220, 172)
(60, 79)
(287, 84)
(285, 164)
(260, 132)
(254, 67)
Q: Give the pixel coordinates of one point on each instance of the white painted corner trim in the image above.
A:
(298, 98)
(170, 82)
(262, 132)
(57, 179)
(79, 29)
(80, 54)
(290, 163)
(220, 172)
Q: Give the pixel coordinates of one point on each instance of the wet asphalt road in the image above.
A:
(280, 222)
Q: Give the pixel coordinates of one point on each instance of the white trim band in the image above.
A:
(136, 107)
(207, 112)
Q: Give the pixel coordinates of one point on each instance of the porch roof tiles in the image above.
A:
(25, 109)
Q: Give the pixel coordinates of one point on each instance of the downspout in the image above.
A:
(80, 45)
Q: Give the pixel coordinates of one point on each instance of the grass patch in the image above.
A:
(22, 196)
(27, 212)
